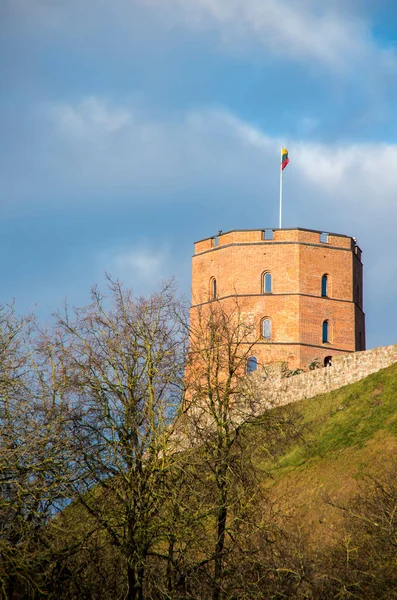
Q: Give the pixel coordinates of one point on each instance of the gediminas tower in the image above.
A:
(302, 289)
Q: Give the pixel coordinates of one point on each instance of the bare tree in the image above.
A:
(232, 423)
(34, 457)
(123, 362)
(218, 406)
(107, 488)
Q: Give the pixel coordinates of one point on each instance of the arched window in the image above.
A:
(212, 288)
(324, 285)
(252, 364)
(266, 328)
(325, 332)
(267, 283)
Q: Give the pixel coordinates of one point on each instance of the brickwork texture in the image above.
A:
(296, 307)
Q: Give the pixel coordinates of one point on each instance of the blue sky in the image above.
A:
(131, 128)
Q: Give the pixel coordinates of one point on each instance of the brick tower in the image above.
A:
(303, 290)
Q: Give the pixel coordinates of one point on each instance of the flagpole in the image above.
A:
(281, 187)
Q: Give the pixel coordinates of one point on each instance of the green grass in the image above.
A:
(343, 436)
(345, 418)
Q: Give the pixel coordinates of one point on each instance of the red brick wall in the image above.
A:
(297, 261)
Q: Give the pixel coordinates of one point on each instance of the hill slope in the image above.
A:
(346, 435)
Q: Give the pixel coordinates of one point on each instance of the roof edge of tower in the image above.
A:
(276, 229)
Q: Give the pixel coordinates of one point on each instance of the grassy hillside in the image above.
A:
(346, 435)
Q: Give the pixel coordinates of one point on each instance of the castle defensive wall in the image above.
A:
(344, 370)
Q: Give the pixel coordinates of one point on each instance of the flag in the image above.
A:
(284, 158)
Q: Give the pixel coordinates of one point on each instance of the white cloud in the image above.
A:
(361, 173)
(296, 29)
(105, 145)
(332, 33)
(121, 145)
(139, 267)
(141, 262)
(88, 116)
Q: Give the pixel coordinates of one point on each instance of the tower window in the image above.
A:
(324, 238)
(267, 283)
(325, 332)
(266, 329)
(252, 364)
(212, 288)
(324, 285)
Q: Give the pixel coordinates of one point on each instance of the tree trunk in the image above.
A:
(220, 544)
(9, 588)
(135, 582)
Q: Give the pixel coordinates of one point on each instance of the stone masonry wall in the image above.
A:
(276, 391)
(345, 369)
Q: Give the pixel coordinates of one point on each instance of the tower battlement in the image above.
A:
(276, 236)
(302, 288)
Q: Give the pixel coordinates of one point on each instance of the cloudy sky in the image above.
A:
(131, 128)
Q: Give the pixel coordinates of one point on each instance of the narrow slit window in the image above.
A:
(324, 285)
(266, 329)
(252, 364)
(325, 332)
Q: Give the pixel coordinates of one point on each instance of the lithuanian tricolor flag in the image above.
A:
(284, 158)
